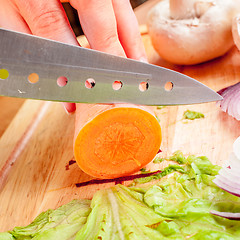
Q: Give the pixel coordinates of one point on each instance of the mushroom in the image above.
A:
(192, 31)
(236, 30)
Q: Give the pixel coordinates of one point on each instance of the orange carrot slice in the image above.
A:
(115, 140)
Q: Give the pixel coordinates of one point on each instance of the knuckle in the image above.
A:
(111, 39)
(109, 43)
(113, 46)
(47, 21)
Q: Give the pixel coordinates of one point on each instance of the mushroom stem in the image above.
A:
(186, 9)
(182, 9)
(202, 6)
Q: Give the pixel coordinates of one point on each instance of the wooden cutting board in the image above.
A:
(36, 148)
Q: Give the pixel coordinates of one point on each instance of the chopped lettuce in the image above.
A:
(192, 115)
(176, 157)
(187, 198)
(6, 236)
(160, 107)
(165, 172)
(175, 206)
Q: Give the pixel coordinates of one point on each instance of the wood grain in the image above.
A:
(8, 108)
(38, 176)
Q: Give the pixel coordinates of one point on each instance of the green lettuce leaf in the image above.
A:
(62, 223)
(6, 236)
(119, 213)
(176, 205)
(186, 200)
(188, 114)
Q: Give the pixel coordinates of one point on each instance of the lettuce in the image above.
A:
(174, 206)
(62, 223)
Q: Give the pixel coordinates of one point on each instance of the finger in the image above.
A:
(99, 25)
(10, 17)
(69, 107)
(128, 30)
(47, 19)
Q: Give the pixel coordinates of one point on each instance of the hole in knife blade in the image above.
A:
(4, 74)
(117, 85)
(33, 78)
(90, 83)
(143, 86)
(62, 81)
(168, 86)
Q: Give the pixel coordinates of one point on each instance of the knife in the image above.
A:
(36, 68)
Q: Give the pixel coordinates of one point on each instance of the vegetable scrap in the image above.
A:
(158, 159)
(159, 150)
(143, 170)
(174, 207)
(188, 114)
(160, 107)
(176, 157)
(117, 180)
(71, 162)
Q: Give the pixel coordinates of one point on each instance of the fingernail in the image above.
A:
(66, 111)
(69, 108)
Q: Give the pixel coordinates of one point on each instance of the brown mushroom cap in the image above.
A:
(193, 40)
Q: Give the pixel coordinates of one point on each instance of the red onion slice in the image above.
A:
(236, 107)
(230, 95)
(232, 107)
(227, 186)
(232, 165)
(228, 177)
(231, 100)
(229, 215)
(224, 93)
(229, 181)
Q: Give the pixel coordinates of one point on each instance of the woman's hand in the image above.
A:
(109, 25)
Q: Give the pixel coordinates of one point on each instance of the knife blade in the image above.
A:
(23, 55)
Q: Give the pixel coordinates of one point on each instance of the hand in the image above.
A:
(109, 25)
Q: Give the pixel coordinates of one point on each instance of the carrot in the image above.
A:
(115, 140)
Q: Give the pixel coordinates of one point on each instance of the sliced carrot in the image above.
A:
(115, 140)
